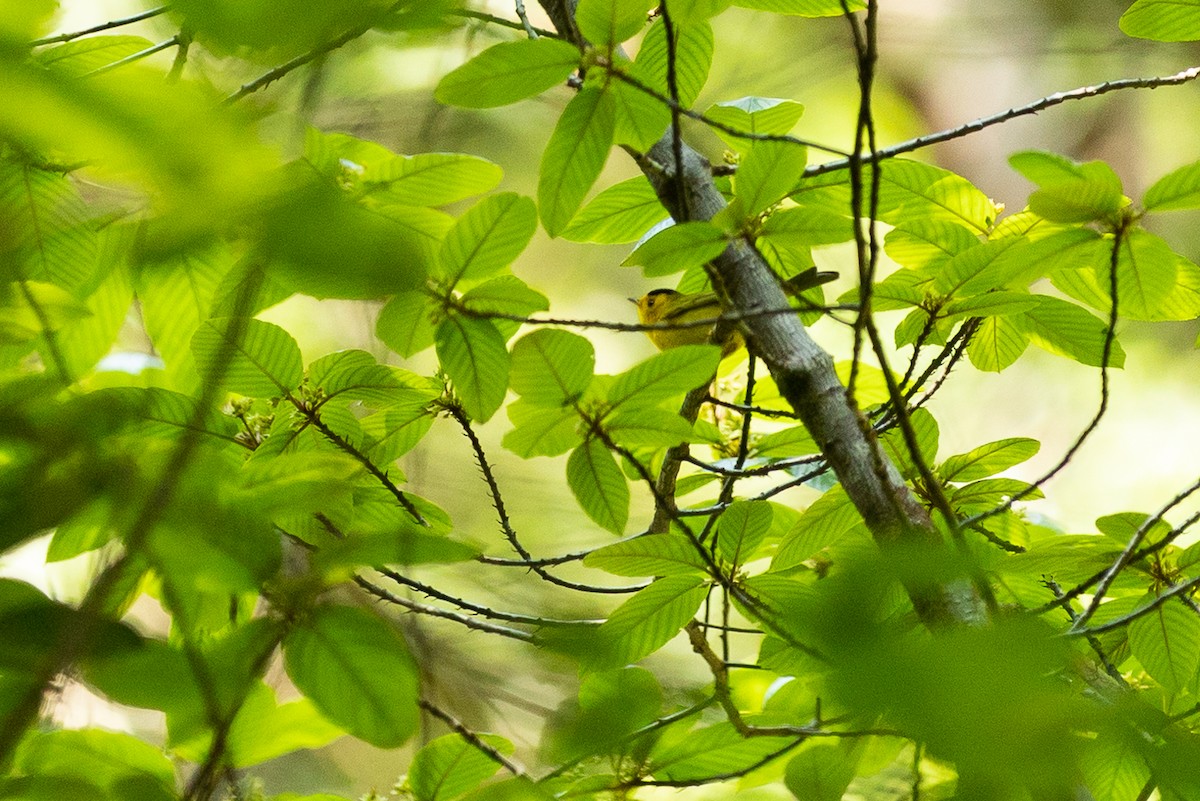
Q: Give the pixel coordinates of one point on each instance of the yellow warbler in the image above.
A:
(669, 306)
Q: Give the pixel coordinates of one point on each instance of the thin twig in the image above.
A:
(104, 26)
(476, 742)
(1082, 93)
(272, 75)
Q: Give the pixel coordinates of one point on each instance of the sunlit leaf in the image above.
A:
(987, 460)
(741, 529)
(754, 115)
(404, 324)
(622, 213)
(997, 343)
(1064, 328)
(552, 368)
(1163, 20)
(1178, 189)
(541, 430)
(248, 356)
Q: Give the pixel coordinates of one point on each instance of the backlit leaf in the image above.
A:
(574, 156)
(473, 354)
(248, 356)
(508, 72)
(599, 486)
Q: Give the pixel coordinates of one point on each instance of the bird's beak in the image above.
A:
(634, 301)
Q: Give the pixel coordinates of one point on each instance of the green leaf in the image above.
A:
(489, 237)
(612, 706)
(1163, 20)
(574, 156)
(249, 357)
(998, 342)
(988, 460)
(609, 22)
(104, 759)
(85, 341)
(803, 227)
(693, 58)
(324, 244)
(404, 324)
(449, 766)
(431, 179)
(403, 543)
(650, 555)
(803, 8)
(1167, 643)
(1178, 189)
(1064, 328)
(711, 751)
(508, 72)
(926, 430)
(76, 59)
(989, 304)
(822, 524)
(541, 430)
(356, 668)
(163, 413)
(666, 375)
(394, 432)
(908, 190)
(1069, 191)
(642, 427)
(46, 235)
(820, 772)
(1124, 525)
(622, 213)
(552, 368)
(504, 294)
(678, 247)
(1146, 273)
(767, 174)
(641, 119)
(599, 486)
(927, 243)
(991, 492)
(265, 729)
(356, 375)
(647, 621)
(1114, 768)
(473, 354)
(754, 115)
(741, 529)
(787, 442)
